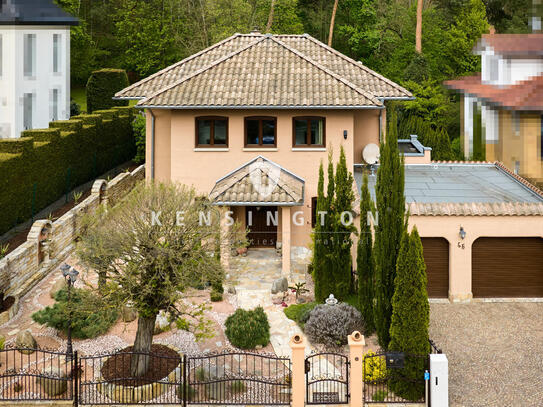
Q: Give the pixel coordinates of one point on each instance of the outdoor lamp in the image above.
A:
(345, 134)
(331, 300)
(462, 233)
(70, 274)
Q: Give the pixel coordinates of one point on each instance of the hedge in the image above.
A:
(44, 164)
(102, 86)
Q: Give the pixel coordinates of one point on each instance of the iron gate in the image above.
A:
(394, 377)
(327, 378)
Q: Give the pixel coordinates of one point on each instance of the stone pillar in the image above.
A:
(460, 269)
(285, 238)
(297, 345)
(224, 236)
(356, 357)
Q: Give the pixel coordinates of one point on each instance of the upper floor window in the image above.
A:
(1, 54)
(493, 68)
(56, 53)
(308, 132)
(260, 131)
(516, 124)
(28, 109)
(211, 131)
(29, 54)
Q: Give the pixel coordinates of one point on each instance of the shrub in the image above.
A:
(138, 125)
(75, 109)
(379, 395)
(247, 329)
(375, 367)
(237, 386)
(190, 391)
(102, 86)
(330, 324)
(89, 313)
(215, 296)
(300, 312)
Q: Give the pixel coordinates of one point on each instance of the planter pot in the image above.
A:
(242, 251)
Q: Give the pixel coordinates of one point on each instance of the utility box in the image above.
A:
(439, 380)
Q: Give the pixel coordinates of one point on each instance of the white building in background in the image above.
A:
(34, 65)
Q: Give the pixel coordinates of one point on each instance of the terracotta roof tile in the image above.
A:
(513, 44)
(475, 209)
(350, 70)
(526, 95)
(264, 73)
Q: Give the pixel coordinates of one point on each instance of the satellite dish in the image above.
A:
(371, 153)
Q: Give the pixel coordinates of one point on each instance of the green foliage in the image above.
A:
(75, 109)
(479, 148)
(331, 324)
(138, 125)
(390, 204)
(90, 314)
(102, 86)
(247, 329)
(2, 342)
(237, 386)
(365, 263)
(45, 164)
(375, 367)
(379, 395)
(215, 296)
(299, 289)
(320, 277)
(299, 313)
(411, 316)
(182, 323)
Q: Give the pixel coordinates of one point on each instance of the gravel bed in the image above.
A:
(494, 352)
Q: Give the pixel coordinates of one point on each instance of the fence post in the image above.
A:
(297, 345)
(75, 381)
(356, 359)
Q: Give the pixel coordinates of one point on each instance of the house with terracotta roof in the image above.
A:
(248, 121)
(502, 107)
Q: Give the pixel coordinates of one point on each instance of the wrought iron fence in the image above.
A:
(394, 377)
(238, 378)
(36, 374)
(433, 347)
(109, 378)
(327, 378)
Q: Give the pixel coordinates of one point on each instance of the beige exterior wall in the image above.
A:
(475, 227)
(176, 157)
(524, 147)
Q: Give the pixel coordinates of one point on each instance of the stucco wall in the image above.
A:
(176, 157)
(448, 227)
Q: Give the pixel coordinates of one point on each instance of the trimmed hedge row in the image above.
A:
(44, 164)
(102, 86)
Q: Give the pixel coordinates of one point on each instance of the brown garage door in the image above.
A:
(507, 267)
(436, 257)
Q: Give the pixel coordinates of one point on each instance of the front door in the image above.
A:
(262, 223)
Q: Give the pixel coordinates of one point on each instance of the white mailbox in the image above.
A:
(439, 380)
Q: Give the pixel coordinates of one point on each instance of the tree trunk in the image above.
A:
(331, 34)
(270, 16)
(418, 33)
(144, 338)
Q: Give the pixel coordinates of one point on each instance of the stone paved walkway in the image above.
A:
(252, 276)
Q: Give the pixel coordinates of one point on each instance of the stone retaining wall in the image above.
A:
(49, 243)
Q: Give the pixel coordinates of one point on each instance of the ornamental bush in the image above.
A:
(102, 86)
(139, 134)
(300, 312)
(331, 324)
(248, 329)
(89, 313)
(375, 367)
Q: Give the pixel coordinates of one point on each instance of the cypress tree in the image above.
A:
(318, 242)
(364, 260)
(389, 191)
(329, 263)
(410, 317)
(343, 227)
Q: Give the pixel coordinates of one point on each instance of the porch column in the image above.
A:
(224, 243)
(285, 238)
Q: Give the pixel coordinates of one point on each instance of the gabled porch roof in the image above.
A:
(259, 182)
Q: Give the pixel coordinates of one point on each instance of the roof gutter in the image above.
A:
(235, 107)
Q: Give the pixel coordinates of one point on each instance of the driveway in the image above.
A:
(495, 352)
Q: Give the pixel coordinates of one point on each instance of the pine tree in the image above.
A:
(364, 260)
(318, 242)
(342, 231)
(410, 317)
(389, 191)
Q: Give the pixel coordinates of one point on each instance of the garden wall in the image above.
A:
(49, 243)
(42, 165)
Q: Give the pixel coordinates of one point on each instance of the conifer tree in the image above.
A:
(390, 199)
(410, 317)
(343, 228)
(364, 260)
(319, 273)
(329, 226)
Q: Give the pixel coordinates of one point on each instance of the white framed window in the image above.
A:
(516, 124)
(1, 55)
(28, 107)
(29, 55)
(493, 68)
(56, 53)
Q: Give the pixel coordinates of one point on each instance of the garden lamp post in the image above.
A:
(70, 275)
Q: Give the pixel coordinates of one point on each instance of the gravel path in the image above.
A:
(495, 352)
